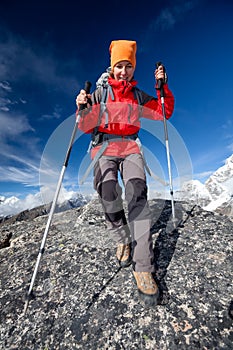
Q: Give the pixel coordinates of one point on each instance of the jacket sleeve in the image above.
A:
(153, 107)
(88, 118)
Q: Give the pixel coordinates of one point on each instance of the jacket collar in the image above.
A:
(122, 85)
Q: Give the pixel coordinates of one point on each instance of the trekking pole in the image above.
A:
(160, 87)
(29, 295)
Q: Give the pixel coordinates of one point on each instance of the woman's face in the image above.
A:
(123, 70)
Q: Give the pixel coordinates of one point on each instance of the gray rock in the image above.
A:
(83, 300)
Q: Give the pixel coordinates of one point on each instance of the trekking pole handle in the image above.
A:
(160, 81)
(87, 88)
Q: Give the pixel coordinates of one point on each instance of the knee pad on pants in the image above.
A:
(136, 197)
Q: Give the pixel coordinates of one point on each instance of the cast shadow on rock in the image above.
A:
(95, 297)
(165, 243)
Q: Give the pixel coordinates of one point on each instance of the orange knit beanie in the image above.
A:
(123, 50)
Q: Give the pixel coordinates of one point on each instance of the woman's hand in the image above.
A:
(82, 98)
(159, 73)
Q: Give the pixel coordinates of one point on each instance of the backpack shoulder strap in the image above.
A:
(104, 91)
(138, 95)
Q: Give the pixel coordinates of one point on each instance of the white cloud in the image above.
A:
(18, 150)
(55, 115)
(14, 205)
(202, 175)
(6, 97)
(24, 174)
(169, 16)
(227, 128)
(16, 136)
(4, 102)
(21, 59)
(228, 124)
(12, 126)
(166, 20)
(5, 85)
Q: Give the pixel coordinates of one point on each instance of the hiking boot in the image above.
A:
(123, 255)
(147, 287)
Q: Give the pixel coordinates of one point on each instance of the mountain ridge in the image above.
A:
(216, 194)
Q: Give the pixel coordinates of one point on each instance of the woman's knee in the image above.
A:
(135, 190)
(109, 190)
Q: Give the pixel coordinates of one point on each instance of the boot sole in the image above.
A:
(149, 300)
(126, 263)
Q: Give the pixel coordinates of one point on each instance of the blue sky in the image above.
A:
(49, 50)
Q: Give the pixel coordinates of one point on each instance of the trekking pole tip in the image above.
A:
(172, 225)
(25, 307)
(29, 296)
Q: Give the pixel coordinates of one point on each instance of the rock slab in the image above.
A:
(83, 300)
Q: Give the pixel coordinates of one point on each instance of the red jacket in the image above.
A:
(124, 115)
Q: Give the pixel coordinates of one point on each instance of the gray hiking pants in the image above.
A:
(137, 230)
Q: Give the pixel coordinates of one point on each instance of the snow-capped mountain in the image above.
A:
(194, 191)
(9, 205)
(216, 194)
(77, 200)
(11, 200)
(13, 205)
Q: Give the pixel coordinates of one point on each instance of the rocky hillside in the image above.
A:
(83, 300)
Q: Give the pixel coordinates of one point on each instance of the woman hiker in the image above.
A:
(114, 124)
